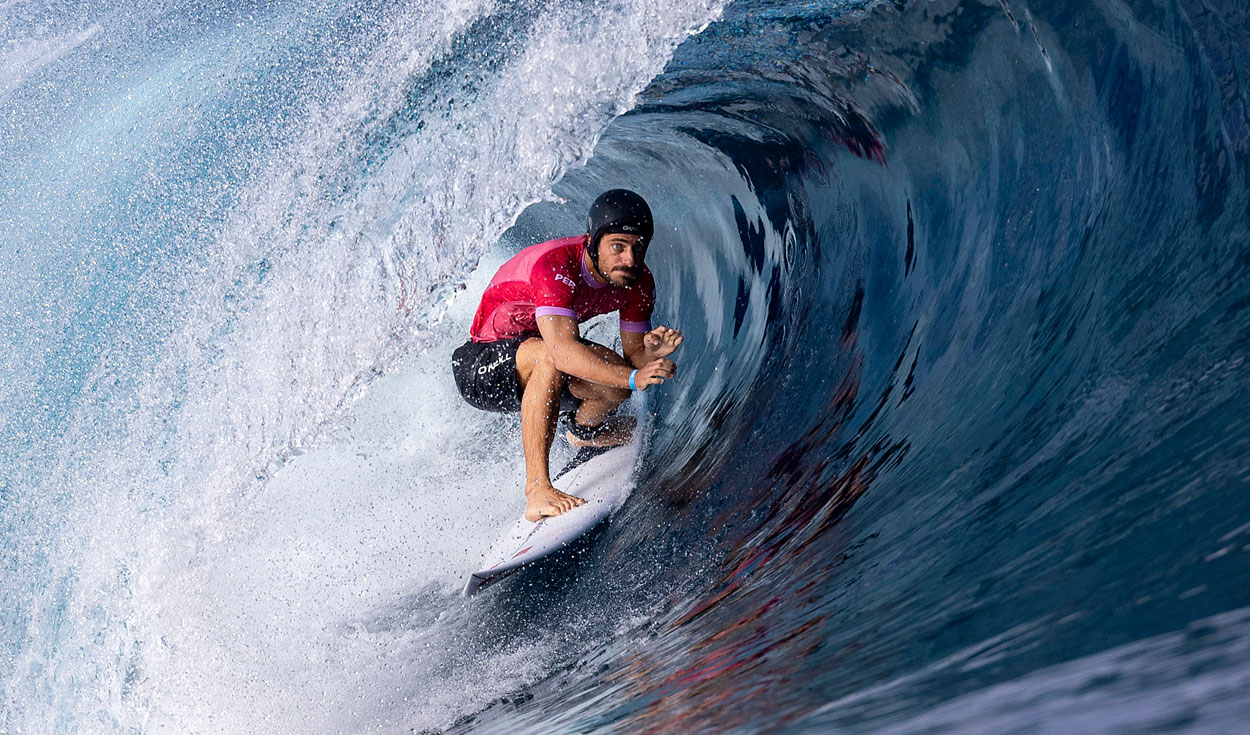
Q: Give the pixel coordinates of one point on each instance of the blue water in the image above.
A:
(959, 439)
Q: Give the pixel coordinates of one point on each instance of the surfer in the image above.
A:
(525, 352)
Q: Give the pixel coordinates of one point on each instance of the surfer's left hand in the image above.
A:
(662, 341)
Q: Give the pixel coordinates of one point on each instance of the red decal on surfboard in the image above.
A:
(522, 551)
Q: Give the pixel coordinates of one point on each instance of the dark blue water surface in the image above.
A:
(961, 437)
(959, 441)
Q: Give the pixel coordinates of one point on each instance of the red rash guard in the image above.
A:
(551, 279)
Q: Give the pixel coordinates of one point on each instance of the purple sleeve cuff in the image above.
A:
(554, 311)
(635, 327)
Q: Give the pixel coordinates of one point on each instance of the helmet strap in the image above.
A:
(592, 249)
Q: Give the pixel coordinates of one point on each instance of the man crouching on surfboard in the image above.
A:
(526, 352)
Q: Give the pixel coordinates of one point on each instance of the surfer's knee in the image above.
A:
(545, 371)
(535, 362)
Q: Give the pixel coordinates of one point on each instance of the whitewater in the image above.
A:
(959, 439)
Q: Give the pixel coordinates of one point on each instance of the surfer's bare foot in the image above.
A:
(543, 500)
(614, 432)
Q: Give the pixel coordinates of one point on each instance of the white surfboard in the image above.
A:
(604, 481)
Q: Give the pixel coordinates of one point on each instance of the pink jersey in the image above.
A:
(551, 279)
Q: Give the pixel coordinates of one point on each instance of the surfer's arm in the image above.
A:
(571, 357)
(634, 348)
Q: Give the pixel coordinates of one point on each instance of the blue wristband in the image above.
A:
(631, 380)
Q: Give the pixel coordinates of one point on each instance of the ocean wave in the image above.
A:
(960, 409)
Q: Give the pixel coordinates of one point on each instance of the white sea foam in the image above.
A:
(325, 589)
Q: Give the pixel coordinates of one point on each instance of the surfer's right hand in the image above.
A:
(655, 372)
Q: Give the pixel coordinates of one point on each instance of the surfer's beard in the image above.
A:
(622, 277)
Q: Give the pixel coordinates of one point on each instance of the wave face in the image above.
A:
(958, 442)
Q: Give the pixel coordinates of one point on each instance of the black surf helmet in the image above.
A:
(620, 211)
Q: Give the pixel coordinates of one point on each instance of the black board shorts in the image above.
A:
(485, 373)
